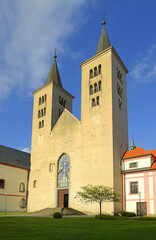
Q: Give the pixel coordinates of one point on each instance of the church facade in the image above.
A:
(68, 153)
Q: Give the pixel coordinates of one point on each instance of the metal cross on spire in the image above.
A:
(103, 19)
(55, 56)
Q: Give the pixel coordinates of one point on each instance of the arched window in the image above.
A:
(91, 89)
(95, 72)
(22, 187)
(34, 184)
(99, 69)
(91, 73)
(23, 203)
(93, 102)
(97, 100)
(63, 171)
(99, 83)
(95, 87)
(39, 114)
(42, 99)
(44, 111)
(64, 103)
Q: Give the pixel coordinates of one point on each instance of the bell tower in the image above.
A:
(49, 102)
(104, 113)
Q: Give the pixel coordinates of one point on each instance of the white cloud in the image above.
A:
(25, 150)
(30, 30)
(145, 70)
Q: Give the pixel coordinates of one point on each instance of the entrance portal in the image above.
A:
(63, 196)
(141, 208)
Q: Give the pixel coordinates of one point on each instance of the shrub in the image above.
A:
(57, 215)
(126, 214)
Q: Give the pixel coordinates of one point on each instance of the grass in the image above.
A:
(33, 228)
(12, 213)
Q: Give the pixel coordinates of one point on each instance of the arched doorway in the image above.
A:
(63, 181)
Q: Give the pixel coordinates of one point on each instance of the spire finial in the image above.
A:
(55, 56)
(132, 147)
(103, 19)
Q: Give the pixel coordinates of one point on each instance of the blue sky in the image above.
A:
(31, 30)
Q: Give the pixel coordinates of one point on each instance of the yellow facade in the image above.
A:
(94, 145)
(13, 195)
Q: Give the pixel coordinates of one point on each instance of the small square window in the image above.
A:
(133, 165)
(2, 183)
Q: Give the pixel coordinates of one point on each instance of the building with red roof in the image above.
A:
(139, 180)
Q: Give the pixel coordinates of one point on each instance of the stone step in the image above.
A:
(51, 211)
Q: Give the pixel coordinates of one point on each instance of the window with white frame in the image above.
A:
(133, 165)
(133, 187)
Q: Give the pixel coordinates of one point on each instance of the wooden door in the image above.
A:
(63, 198)
(141, 208)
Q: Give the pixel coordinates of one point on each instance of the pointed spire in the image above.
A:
(132, 147)
(54, 75)
(104, 40)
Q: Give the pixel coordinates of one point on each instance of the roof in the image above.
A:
(104, 40)
(14, 157)
(139, 151)
(153, 165)
(54, 75)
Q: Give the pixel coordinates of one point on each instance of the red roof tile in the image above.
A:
(138, 152)
(153, 165)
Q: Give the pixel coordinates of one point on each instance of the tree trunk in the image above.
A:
(100, 209)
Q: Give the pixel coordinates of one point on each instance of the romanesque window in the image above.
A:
(97, 100)
(133, 187)
(95, 88)
(34, 184)
(60, 112)
(99, 69)
(91, 89)
(42, 99)
(2, 183)
(119, 74)
(119, 90)
(42, 123)
(39, 114)
(95, 72)
(99, 83)
(93, 102)
(63, 171)
(22, 187)
(39, 100)
(62, 101)
(120, 104)
(23, 203)
(44, 111)
(91, 73)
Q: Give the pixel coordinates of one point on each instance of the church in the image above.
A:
(68, 153)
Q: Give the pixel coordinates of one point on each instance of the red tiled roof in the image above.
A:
(153, 165)
(139, 151)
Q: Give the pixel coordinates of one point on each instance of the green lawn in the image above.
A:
(30, 228)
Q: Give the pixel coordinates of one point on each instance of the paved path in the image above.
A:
(66, 216)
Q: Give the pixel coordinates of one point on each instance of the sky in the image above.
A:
(31, 30)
